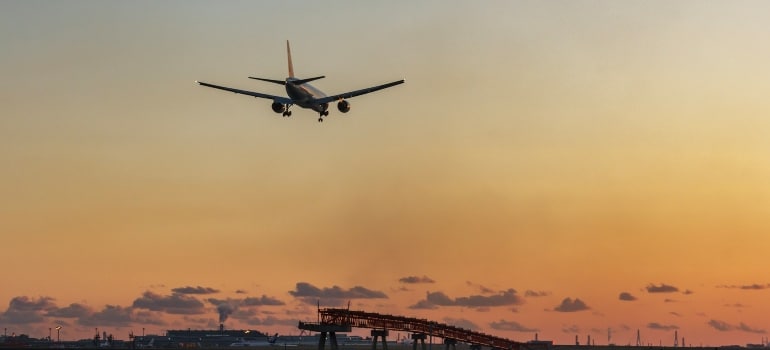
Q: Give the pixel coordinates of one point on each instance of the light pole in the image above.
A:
(58, 339)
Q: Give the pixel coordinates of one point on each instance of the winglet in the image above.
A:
(288, 54)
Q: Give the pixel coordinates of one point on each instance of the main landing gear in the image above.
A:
(286, 111)
(322, 115)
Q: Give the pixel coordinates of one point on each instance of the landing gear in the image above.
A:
(321, 116)
(286, 111)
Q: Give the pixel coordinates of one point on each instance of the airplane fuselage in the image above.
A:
(304, 95)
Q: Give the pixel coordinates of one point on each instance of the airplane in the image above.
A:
(303, 94)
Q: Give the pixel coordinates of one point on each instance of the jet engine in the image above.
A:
(343, 106)
(278, 107)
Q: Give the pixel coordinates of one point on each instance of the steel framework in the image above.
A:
(345, 318)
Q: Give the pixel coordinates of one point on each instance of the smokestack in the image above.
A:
(222, 327)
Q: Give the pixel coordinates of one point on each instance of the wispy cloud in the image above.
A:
(736, 305)
(663, 327)
(536, 293)
(723, 326)
(571, 329)
(264, 300)
(482, 289)
(570, 305)
(504, 325)
(195, 290)
(754, 286)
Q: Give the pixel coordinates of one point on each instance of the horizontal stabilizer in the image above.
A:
(302, 81)
(280, 82)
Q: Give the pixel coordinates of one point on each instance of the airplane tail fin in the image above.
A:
(288, 54)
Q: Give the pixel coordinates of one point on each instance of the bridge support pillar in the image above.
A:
(376, 333)
(418, 336)
(450, 342)
(332, 341)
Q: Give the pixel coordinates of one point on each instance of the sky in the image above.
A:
(562, 168)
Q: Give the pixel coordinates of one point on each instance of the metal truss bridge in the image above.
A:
(343, 320)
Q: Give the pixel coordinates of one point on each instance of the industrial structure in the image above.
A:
(332, 321)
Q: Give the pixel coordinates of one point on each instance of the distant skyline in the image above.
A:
(559, 167)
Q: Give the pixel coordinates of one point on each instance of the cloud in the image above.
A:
(503, 298)
(723, 326)
(241, 291)
(423, 305)
(195, 290)
(110, 316)
(264, 300)
(571, 329)
(335, 295)
(72, 311)
(736, 305)
(668, 300)
(173, 304)
(625, 296)
(24, 303)
(25, 310)
(440, 299)
(482, 289)
(535, 294)
(658, 326)
(687, 292)
(675, 314)
(569, 305)
(148, 317)
(662, 288)
(747, 286)
(416, 280)
(513, 326)
(461, 322)
(742, 326)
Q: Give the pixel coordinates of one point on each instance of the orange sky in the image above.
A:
(537, 152)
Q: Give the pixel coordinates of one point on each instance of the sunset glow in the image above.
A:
(562, 168)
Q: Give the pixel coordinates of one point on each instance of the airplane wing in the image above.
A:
(279, 99)
(357, 92)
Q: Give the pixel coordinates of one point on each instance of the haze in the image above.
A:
(555, 167)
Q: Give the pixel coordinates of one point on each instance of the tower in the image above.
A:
(638, 338)
(676, 338)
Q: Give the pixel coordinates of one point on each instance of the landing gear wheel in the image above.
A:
(325, 113)
(320, 120)
(288, 113)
